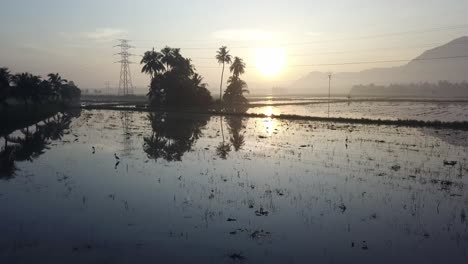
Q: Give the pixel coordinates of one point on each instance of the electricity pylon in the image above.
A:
(125, 82)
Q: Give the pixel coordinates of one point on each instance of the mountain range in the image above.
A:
(448, 62)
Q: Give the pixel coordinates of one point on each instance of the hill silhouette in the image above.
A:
(448, 62)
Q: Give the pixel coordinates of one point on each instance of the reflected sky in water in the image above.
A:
(279, 191)
(426, 111)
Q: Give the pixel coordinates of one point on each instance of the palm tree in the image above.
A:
(27, 86)
(167, 56)
(5, 79)
(152, 63)
(197, 81)
(237, 67)
(234, 93)
(56, 83)
(223, 57)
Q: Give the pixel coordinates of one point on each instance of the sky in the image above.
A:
(76, 38)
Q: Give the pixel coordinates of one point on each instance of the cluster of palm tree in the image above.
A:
(33, 89)
(234, 94)
(174, 80)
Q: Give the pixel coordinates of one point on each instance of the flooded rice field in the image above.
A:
(424, 111)
(120, 187)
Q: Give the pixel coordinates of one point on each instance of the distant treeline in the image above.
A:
(424, 89)
(28, 89)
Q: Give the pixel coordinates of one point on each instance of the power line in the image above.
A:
(285, 44)
(349, 51)
(363, 62)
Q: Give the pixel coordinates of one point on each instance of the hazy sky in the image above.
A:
(75, 38)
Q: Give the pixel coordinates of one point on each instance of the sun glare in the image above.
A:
(270, 61)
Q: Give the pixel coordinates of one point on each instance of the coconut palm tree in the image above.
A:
(152, 63)
(234, 93)
(56, 83)
(5, 79)
(26, 86)
(198, 80)
(237, 67)
(223, 57)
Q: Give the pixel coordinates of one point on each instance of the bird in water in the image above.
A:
(94, 149)
(116, 157)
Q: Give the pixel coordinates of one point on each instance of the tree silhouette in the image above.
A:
(69, 91)
(31, 88)
(223, 58)
(176, 84)
(234, 94)
(26, 87)
(152, 63)
(237, 67)
(5, 79)
(56, 83)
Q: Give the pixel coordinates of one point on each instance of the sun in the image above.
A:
(270, 61)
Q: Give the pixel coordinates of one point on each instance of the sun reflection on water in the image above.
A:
(270, 126)
(270, 111)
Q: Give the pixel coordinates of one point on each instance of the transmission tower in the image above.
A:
(125, 82)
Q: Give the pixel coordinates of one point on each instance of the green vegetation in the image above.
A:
(28, 89)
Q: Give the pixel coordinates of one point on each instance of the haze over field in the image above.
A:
(281, 42)
(215, 131)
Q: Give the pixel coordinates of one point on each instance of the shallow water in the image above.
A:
(425, 111)
(250, 190)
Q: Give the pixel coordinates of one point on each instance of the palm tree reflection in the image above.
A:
(236, 124)
(223, 148)
(172, 135)
(31, 143)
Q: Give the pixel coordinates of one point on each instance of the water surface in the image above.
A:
(198, 188)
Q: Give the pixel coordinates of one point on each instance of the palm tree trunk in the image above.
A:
(221, 85)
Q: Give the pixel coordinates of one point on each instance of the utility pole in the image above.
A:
(125, 81)
(329, 89)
